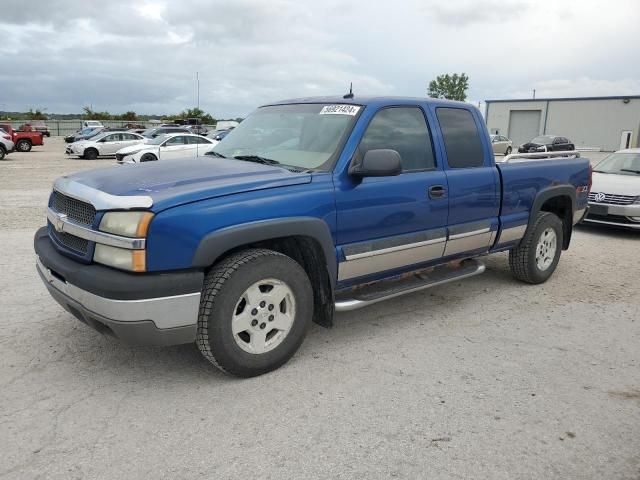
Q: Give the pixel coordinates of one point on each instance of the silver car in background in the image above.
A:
(615, 193)
(501, 145)
(107, 143)
(6, 144)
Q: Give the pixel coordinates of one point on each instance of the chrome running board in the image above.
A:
(363, 296)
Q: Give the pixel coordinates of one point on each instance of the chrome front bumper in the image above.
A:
(156, 321)
(615, 215)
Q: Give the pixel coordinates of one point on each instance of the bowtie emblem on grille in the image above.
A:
(600, 197)
(58, 224)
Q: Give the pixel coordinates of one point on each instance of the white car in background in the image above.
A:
(92, 124)
(615, 193)
(6, 144)
(107, 143)
(167, 147)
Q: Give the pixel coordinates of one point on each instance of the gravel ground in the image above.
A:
(483, 378)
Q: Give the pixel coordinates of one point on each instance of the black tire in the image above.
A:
(523, 258)
(3, 152)
(148, 157)
(224, 288)
(90, 154)
(508, 151)
(23, 145)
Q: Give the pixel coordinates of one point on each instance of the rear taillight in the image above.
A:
(6, 137)
(590, 178)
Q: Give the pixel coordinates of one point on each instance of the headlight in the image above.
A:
(133, 260)
(637, 200)
(540, 149)
(127, 224)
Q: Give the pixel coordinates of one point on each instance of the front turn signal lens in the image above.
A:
(122, 258)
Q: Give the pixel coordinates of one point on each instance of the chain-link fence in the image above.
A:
(67, 127)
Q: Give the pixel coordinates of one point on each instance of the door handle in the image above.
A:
(437, 191)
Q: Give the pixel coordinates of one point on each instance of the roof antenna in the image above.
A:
(350, 94)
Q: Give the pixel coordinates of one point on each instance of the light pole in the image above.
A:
(198, 89)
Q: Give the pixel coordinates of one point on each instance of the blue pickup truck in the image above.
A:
(308, 207)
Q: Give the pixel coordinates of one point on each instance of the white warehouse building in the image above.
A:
(605, 123)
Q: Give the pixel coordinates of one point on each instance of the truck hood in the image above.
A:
(172, 182)
(614, 184)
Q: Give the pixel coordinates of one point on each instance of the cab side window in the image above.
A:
(461, 137)
(405, 130)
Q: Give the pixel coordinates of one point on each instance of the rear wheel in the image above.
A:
(255, 310)
(23, 145)
(90, 154)
(3, 152)
(536, 257)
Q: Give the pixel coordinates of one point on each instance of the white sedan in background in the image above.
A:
(615, 193)
(107, 143)
(167, 147)
(6, 144)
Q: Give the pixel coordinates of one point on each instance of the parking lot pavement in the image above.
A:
(482, 378)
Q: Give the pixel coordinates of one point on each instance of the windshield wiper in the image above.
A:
(629, 170)
(601, 171)
(215, 154)
(257, 159)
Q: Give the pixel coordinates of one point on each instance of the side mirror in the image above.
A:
(377, 163)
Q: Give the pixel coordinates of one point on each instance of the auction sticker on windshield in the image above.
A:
(339, 110)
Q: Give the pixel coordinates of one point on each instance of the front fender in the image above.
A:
(215, 244)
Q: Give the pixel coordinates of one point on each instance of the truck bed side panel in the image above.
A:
(523, 182)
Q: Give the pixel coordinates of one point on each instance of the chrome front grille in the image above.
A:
(76, 210)
(611, 198)
(72, 242)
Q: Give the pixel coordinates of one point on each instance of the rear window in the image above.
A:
(461, 138)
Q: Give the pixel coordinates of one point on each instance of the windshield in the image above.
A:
(98, 136)
(148, 132)
(620, 163)
(157, 140)
(543, 140)
(299, 135)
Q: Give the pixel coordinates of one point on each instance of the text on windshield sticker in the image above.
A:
(339, 110)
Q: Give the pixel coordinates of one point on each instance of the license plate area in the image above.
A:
(598, 210)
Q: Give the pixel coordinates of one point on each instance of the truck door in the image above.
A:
(390, 223)
(474, 193)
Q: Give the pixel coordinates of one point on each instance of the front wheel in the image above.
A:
(90, 154)
(255, 310)
(23, 145)
(536, 257)
(148, 157)
(508, 151)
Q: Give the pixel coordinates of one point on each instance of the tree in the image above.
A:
(90, 114)
(129, 116)
(37, 115)
(196, 113)
(451, 87)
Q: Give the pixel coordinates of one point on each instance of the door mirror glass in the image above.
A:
(377, 163)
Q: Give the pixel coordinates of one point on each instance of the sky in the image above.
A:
(119, 55)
